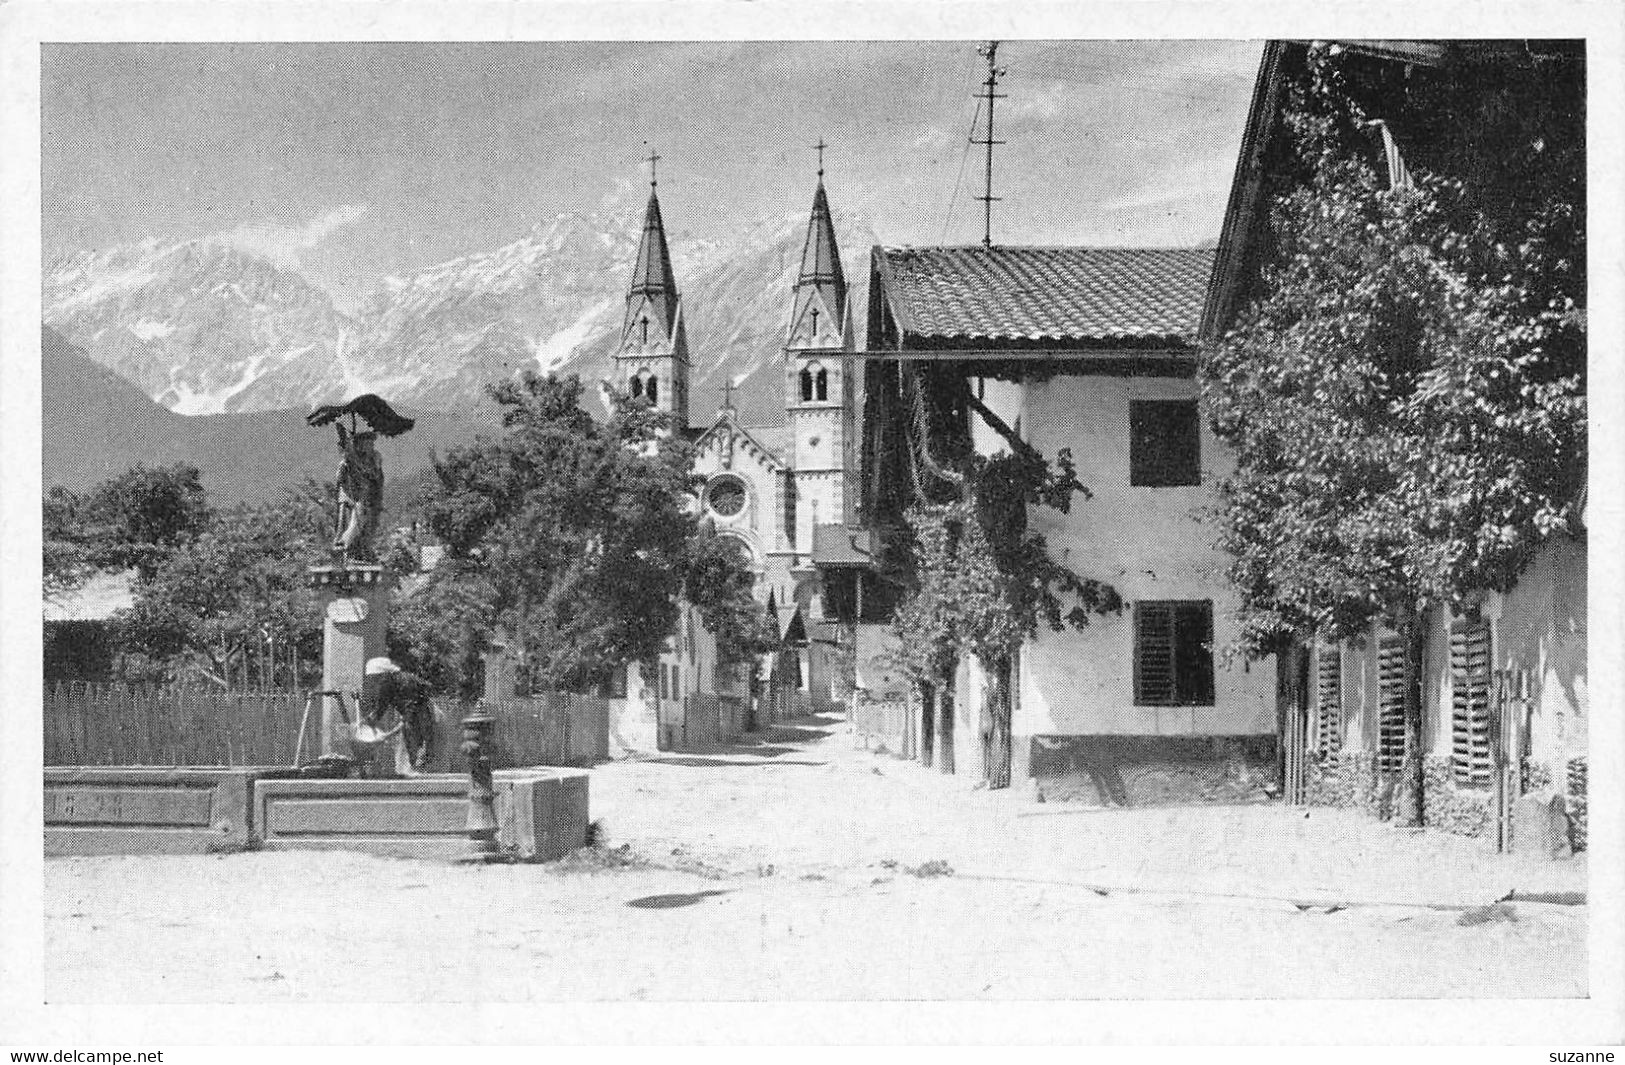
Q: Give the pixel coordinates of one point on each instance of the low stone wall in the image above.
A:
(1350, 779)
(542, 814)
(147, 811)
(1152, 770)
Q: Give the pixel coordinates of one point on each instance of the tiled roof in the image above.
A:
(1047, 294)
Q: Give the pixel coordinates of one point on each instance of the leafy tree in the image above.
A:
(131, 521)
(574, 537)
(1405, 400)
(67, 559)
(231, 601)
(719, 582)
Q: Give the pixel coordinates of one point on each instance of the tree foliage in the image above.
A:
(1405, 400)
(231, 600)
(134, 520)
(573, 537)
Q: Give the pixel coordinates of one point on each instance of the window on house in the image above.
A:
(676, 681)
(787, 489)
(1390, 704)
(653, 389)
(821, 384)
(806, 386)
(1173, 654)
(665, 690)
(1329, 701)
(1165, 443)
(636, 385)
(1470, 757)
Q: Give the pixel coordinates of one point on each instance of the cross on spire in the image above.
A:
(652, 158)
(819, 148)
(728, 393)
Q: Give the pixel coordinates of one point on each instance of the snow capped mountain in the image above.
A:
(193, 323)
(205, 328)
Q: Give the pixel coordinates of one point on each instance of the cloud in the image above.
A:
(283, 244)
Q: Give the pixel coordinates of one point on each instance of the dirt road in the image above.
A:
(801, 868)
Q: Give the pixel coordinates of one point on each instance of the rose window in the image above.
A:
(726, 496)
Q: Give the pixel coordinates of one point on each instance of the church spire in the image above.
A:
(652, 358)
(821, 257)
(652, 277)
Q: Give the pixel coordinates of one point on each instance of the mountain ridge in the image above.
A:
(206, 328)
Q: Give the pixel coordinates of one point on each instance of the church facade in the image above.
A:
(776, 490)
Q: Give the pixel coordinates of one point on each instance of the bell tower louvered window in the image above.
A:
(1470, 755)
(1390, 704)
(1173, 654)
(1329, 701)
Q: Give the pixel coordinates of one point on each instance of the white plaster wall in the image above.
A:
(1542, 628)
(1149, 543)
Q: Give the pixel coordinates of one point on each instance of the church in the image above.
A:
(782, 491)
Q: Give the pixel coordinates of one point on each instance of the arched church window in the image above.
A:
(644, 323)
(815, 323)
(806, 385)
(636, 385)
(652, 389)
(822, 384)
(726, 496)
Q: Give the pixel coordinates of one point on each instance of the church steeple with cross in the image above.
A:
(652, 358)
(818, 374)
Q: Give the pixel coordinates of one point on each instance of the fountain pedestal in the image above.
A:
(355, 621)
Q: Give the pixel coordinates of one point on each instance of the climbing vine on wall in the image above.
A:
(984, 582)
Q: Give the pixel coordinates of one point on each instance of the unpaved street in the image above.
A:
(798, 867)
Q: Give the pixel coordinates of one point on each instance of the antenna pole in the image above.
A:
(994, 72)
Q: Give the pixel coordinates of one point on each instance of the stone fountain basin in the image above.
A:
(542, 813)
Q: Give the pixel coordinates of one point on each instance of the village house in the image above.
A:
(778, 491)
(1091, 350)
(1505, 701)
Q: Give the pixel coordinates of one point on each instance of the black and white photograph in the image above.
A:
(673, 517)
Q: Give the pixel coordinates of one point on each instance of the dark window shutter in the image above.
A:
(1470, 704)
(1390, 704)
(1193, 654)
(1153, 654)
(1329, 701)
(1173, 654)
(1165, 443)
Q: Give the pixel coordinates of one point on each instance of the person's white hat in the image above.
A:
(379, 665)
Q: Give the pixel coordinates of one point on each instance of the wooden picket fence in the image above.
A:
(115, 724)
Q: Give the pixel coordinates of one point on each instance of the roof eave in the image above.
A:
(1242, 207)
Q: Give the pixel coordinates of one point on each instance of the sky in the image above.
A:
(357, 161)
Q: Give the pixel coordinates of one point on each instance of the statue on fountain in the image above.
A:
(361, 472)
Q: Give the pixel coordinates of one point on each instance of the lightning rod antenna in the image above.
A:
(994, 73)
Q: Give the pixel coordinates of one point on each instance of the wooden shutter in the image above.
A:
(1390, 704)
(1470, 704)
(1153, 654)
(1329, 701)
(1165, 446)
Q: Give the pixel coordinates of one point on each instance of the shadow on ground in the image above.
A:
(672, 902)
